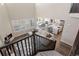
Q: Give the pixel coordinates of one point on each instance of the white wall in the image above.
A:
(53, 10)
(5, 27)
(21, 14)
(70, 31)
(21, 10)
(9, 12)
(60, 11)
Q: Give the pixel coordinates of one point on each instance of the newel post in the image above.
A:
(34, 41)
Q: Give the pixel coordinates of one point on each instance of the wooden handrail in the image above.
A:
(44, 37)
(32, 47)
(14, 42)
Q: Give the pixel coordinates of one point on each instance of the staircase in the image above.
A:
(30, 46)
(49, 53)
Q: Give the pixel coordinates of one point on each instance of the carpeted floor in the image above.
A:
(49, 53)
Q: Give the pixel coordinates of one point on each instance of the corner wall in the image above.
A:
(5, 27)
(21, 14)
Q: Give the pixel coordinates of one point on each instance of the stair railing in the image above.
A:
(27, 46)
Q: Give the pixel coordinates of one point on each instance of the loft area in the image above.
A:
(52, 21)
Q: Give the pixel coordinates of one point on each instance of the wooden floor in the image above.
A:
(61, 47)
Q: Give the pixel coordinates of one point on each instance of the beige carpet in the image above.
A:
(49, 53)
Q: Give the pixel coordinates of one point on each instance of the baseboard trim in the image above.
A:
(66, 45)
(63, 48)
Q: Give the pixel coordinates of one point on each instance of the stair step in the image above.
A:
(49, 53)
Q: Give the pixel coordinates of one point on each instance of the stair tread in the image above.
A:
(49, 53)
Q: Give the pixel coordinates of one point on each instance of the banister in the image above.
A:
(14, 42)
(30, 46)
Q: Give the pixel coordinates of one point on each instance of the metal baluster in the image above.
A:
(1, 53)
(29, 46)
(7, 49)
(34, 43)
(22, 48)
(38, 42)
(26, 47)
(33, 46)
(32, 51)
(18, 49)
(14, 50)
